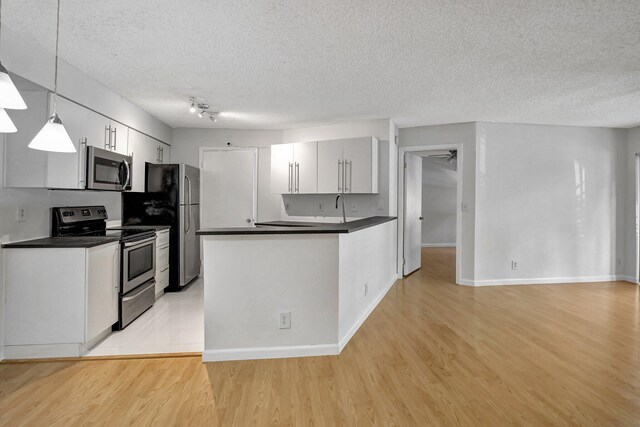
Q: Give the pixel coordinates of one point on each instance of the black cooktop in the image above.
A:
(130, 234)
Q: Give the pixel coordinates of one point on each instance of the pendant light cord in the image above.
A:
(55, 76)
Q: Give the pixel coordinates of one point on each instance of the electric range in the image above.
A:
(137, 255)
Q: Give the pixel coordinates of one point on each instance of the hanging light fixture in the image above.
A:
(53, 136)
(6, 125)
(193, 106)
(9, 96)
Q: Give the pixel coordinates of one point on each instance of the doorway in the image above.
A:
(229, 187)
(430, 208)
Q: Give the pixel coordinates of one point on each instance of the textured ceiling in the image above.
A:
(283, 64)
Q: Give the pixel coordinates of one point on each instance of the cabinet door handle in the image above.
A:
(348, 163)
(115, 139)
(158, 153)
(107, 137)
(161, 154)
(339, 172)
(290, 178)
(297, 177)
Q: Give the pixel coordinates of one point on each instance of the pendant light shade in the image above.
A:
(6, 125)
(53, 137)
(9, 96)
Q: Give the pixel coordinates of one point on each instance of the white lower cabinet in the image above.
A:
(59, 302)
(162, 261)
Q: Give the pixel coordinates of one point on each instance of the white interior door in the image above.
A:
(412, 213)
(228, 187)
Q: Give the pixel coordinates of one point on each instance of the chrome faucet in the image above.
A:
(344, 215)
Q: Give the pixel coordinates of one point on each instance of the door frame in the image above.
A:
(401, 200)
(254, 151)
(636, 162)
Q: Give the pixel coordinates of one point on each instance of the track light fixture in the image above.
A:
(202, 109)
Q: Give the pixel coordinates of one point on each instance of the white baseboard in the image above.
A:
(438, 245)
(345, 340)
(541, 281)
(627, 279)
(39, 351)
(269, 352)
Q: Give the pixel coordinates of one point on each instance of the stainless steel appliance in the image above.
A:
(107, 170)
(172, 198)
(137, 259)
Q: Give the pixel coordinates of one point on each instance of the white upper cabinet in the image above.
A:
(282, 168)
(360, 165)
(330, 167)
(140, 153)
(159, 152)
(305, 167)
(144, 150)
(25, 167)
(68, 170)
(348, 165)
(294, 168)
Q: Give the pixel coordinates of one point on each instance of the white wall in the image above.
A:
(465, 134)
(186, 149)
(629, 224)
(270, 274)
(439, 205)
(366, 257)
(550, 197)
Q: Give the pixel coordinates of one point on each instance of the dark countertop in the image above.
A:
(141, 227)
(298, 227)
(61, 242)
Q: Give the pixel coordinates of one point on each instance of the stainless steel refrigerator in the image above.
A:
(172, 197)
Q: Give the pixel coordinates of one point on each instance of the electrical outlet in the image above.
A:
(354, 207)
(321, 207)
(514, 265)
(366, 289)
(284, 320)
(21, 214)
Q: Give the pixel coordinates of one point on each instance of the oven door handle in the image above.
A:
(144, 288)
(139, 242)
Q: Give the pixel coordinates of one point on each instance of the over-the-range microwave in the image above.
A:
(107, 170)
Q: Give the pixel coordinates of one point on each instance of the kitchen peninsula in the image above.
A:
(290, 289)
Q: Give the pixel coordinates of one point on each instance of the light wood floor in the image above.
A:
(432, 353)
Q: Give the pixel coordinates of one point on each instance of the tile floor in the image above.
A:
(175, 324)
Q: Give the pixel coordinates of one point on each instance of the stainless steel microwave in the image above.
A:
(107, 170)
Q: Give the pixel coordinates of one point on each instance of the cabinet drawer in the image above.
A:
(163, 238)
(162, 280)
(162, 257)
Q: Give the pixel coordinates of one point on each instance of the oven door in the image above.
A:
(107, 170)
(138, 263)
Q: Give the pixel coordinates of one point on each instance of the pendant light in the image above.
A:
(9, 96)
(53, 136)
(6, 125)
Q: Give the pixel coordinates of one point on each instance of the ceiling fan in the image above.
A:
(445, 157)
